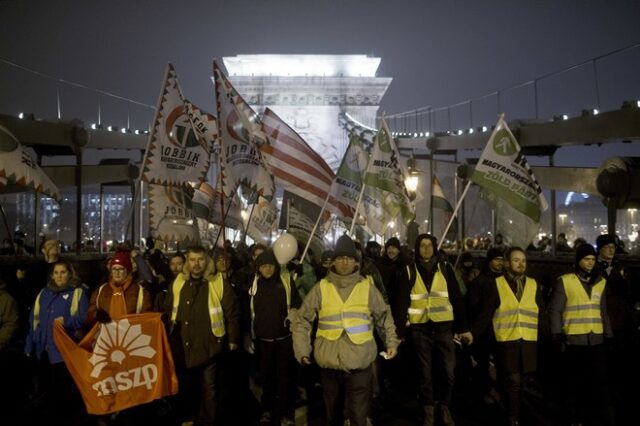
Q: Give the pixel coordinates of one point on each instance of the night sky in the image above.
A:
(438, 52)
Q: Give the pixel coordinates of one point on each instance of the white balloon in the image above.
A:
(285, 248)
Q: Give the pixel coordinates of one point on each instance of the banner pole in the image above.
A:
(454, 214)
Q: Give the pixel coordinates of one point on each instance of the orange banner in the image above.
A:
(120, 364)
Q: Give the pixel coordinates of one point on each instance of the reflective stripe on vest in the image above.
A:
(286, 282)
(425, 306)
(75, 301)
(216, 290)
(352, 316)
(515, 320)
(138, 303)
(582, 315)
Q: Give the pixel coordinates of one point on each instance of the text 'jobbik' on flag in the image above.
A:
(385, 195)
(171, 215)
(296, 166)
(241, 162)
(503, 171)
(180, 144)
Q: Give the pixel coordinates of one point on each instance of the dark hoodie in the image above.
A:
(427, 270)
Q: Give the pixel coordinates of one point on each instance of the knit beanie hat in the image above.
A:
(393, 241)
(605, 239)
(122, 258)
(266, 258)
(326, 255)
(345, 247)
(583, 251)
(494, 252)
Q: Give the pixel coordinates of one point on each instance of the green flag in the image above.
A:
(385, 195)
(503, 170)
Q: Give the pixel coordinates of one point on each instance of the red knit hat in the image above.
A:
(122, 258)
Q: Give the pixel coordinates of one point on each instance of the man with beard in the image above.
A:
(429, 296)
(348, 306)
(578, 314)
(204, 323)
(513, 304)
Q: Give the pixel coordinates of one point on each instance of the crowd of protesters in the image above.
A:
(252, 340)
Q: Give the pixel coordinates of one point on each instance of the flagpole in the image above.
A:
(246, 228)
(362, 181)
(313, 231)
(453, 215)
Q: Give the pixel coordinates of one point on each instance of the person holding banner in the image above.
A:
(429, 300)
(204, 322)
(120, 295)
(64, 299)
(347, 306)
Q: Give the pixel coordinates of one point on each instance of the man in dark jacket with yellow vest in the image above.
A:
(578, 315)
(204, 322)
(512, 304)
(348, 306)
(429, 299)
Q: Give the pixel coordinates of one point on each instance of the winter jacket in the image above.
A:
(9, 318)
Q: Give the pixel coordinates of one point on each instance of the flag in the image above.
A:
(262, 220)
(120, 364)
(171, 215)
(439, 201)
(296, 166)
(348, 182)
(241, 162)
(19, 170)
(202, 201)
(177, 153)
(503, 170)
(385, 195)
(301, 225)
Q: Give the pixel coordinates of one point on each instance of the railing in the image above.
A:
(425, 120)
(101, 95)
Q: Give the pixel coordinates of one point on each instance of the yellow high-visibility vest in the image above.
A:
(582, 314)
(515, 320)
(73, 310)
(434, 305)
(352, 317)
(216, 290)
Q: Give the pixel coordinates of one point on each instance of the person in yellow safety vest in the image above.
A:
(348, 307)
(63, 299)
(204, 319)
(430, 302)
(512, 305)
(579, 326)
(272, 295)
(119, 296)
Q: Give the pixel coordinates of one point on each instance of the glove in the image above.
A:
(102, 316)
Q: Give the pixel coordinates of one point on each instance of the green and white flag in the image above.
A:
(385, 195)
(348, 182)
(503, 170)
